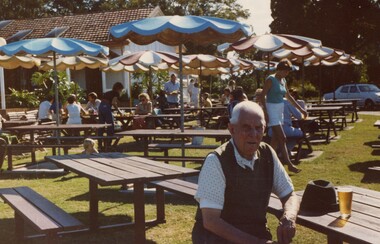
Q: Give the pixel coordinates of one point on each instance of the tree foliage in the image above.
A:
(351, 25)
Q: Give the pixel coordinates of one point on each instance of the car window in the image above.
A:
(354, 89)
(368, 88)
(344, 89)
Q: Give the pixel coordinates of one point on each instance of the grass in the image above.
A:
(343, 162)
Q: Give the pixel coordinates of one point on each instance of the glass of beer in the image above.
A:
(345, 202)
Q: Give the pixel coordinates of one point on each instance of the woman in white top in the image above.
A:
(73, 110)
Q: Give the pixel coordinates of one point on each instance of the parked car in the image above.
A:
(369, 94)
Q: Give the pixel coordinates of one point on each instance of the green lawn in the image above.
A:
(343, 162)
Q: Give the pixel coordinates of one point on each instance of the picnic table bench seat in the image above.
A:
(178, 186)
(41, 214)
(166, 146)
(10, 147)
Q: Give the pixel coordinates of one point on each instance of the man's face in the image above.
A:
(173, 78)
(247, 133)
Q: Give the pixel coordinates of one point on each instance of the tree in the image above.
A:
(351, 25)
(16, 9)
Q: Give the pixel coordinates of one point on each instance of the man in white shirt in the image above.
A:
(235, 184)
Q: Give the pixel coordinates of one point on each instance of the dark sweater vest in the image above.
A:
(247, 192)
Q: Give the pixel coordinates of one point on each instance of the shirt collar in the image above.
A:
(242, 162)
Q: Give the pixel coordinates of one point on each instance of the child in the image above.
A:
(89, 146)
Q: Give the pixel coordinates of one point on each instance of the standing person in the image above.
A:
(109, 99)
(195, 95)
(172, 91)
(93, 104)
(272, 99)
(44, 113)
(190, 88)
(236, 182)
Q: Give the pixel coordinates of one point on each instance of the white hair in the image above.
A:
(246, 106)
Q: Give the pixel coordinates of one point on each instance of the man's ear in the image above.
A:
(231, 128)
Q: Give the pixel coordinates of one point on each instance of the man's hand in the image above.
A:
(286, 230)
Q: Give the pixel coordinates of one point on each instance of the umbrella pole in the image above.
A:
(181, 89)
(56, 99)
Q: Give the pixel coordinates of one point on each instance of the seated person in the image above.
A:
(44, 113)
(290, 113)
(161, 102)
(294, 94)
(92, 106)
(73, 110)
(225, 99)
(89, 146)
(207, 103)
(236, 97)
(144, 107)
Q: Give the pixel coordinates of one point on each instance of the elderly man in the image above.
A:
(235, 184)
(172, 91)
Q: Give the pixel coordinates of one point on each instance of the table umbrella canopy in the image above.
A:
(63, 46)
(205, 60)
(54, 46)
(76, 63)
(149, 58)
(272, 42)
(13, 62)
(176, 30)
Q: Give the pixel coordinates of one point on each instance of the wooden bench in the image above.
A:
(41, 214)
(78, 140)
(9, 148)
(166, 146)
(184, 188)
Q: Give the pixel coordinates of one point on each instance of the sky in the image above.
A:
(260, 17)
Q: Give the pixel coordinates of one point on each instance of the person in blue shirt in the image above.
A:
(172, 91)
(109, 99)
(272, 100)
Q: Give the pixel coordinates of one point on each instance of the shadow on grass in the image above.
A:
(113, 195)
(370, 176)
(118, 235)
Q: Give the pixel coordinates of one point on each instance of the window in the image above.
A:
(19, 36)
(4, 23)
(354, 89)
(344, 89)
(57, 31)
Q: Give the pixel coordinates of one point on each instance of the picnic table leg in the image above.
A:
(138, 201)
(19, 227)
(94, 206)
(333, 240)
(160, 202)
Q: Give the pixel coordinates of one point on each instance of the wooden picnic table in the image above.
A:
(362, 227)
(353, 101)
(204, 114)
(66, 129)
(330, 111)
(171, 119)
(147, 134)
(109, 169)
